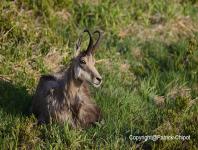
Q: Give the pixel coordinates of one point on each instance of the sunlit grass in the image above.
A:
(148, 59)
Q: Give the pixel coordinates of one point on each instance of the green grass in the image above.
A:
(148, 60)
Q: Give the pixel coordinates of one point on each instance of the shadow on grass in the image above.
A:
(14, 99)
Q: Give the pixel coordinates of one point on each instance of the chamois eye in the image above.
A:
(82, 62)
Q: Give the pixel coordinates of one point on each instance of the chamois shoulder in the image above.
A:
(47, 82)
(52, 77)
(48, 78)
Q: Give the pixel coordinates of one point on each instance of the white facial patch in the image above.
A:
(85, 75)
(81, 74)
(77, 72)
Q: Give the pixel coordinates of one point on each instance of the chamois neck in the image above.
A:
(72, 85)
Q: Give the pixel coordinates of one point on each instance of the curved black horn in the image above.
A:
(89, 48)
(98, 40)
(78, 44)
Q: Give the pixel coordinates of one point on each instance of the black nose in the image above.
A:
(99, 79)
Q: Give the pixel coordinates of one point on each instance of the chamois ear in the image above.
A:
(77, 46)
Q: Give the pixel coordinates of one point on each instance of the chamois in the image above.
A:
(64, 96)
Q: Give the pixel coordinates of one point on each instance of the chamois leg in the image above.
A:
(41, 120)
(89, 114)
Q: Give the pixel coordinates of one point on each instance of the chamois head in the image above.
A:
(84, 62)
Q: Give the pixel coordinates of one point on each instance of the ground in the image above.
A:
(148, 59)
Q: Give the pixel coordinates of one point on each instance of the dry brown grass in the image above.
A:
(159, 100)
(53, 60)
(63, 15)
(170, 31)
(179, 91)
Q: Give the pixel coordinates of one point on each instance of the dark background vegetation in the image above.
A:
(148, 58)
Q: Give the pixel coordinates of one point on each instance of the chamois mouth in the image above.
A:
(96, 84)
